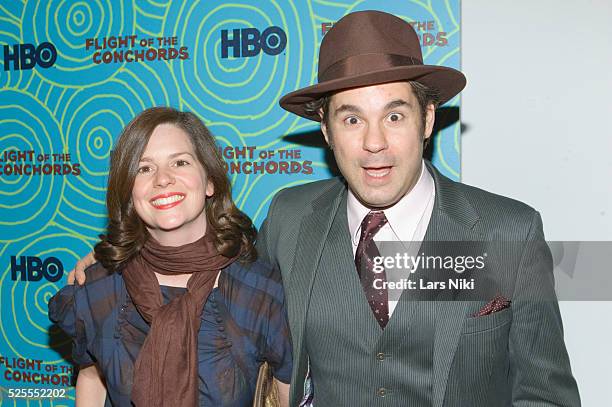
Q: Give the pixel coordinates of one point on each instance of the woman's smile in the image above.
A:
(167, 200)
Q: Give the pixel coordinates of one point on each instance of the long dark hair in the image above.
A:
(126, 233)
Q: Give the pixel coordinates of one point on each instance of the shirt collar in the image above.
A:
(404, 216)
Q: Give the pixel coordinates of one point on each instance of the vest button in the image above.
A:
(381, 392)
(380, 356)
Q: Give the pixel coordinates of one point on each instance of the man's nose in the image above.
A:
(375, 139)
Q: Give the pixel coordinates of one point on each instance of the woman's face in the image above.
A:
(171, 187)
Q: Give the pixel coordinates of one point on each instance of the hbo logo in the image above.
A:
(29, 268)
(26, 56)
(248, 42)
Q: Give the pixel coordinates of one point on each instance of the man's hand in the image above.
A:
(78, 272)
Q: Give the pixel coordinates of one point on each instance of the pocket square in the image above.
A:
(495, 305)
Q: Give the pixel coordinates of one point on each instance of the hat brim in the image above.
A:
(448, 81)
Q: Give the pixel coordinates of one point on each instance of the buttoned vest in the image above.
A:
(353, 362)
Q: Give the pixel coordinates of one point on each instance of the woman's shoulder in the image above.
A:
(96, 272)
(80, 310)
(259, 267)
(257, 276)
(100, 282)
(101, 287)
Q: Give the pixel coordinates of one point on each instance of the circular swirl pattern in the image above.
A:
(229, 139)
(242, 90)
(80, 108)
(29, 202)
(73, 23)
(25, 324)
(91, 126)
(10, 35)
(151, 84)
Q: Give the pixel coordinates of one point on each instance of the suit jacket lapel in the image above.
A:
(313, 233)
(453, 219)
(449, 314)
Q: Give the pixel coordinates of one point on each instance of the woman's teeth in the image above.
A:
(168, 200)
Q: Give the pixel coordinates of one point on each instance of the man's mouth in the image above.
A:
(167, 201)
(378, 172)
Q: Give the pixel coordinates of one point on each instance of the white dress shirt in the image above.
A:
(407, 219)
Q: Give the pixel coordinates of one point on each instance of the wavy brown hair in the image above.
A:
(234, 233)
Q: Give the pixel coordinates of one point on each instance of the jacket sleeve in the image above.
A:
(539, 362)
(278, 349)
(266, 237)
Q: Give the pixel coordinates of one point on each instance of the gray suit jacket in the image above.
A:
(533, 368)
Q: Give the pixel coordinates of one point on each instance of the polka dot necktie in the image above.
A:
(364, 261)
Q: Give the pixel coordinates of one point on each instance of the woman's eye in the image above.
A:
(181, 163)
(144, 169)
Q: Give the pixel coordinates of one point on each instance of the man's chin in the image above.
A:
(378, 200)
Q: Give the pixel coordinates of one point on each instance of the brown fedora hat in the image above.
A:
(369, 48)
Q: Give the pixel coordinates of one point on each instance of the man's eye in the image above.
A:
(395, 117)
(351, 120)
(181, 163)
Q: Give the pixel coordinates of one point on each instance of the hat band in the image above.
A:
(364, 63)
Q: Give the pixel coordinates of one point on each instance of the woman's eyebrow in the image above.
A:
(173, 155)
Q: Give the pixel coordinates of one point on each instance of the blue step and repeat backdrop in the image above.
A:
(74, 73)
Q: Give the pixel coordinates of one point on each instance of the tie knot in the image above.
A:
(371, 224)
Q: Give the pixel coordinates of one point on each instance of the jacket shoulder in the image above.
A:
(293, 203)
(490, 202)
(307, 194)
(501, 216)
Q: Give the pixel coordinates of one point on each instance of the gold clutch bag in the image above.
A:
(266, 392)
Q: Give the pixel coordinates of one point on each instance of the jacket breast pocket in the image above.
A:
(483, 352)
(489, 322)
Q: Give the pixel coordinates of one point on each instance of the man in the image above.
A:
(356, 344)
(376, 103)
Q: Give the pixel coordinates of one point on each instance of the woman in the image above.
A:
(177, 311)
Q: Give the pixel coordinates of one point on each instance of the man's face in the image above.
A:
(376, 133)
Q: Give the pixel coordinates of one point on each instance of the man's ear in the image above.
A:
(430, 118)
(324, 130)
